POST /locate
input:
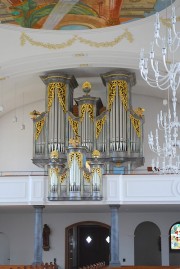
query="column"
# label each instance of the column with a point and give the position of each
(38, 229)
(165, 248)
(114, 236)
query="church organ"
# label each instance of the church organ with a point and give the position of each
(80, 139)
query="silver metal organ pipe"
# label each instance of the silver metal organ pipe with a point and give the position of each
(117, 121)
(50, 129)
(121, 123)
(57, 126)
(86, 129)
(60, 126)
(113, 127)
(54, 120)
(124, 129)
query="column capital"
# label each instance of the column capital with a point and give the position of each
(39, 206)
(114, 206)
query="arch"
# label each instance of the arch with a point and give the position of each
(174, 244)
(147, 244)
(74, 247)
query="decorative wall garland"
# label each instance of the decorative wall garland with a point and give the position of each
(126, 35)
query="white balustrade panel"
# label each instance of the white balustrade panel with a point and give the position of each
(117, 189)
(22, 189)
(142, 189)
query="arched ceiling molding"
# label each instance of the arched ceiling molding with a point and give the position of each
(56, 61)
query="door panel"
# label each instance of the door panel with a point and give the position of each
(97, 250)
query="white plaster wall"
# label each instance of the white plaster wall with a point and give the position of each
(19, 228)
(16, 144)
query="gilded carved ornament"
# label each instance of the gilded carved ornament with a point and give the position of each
(62, 177)
(39, 126)
(75, 155)
(111, 94)
(86, 84)
(74, 141)
(74, 124)
(98, 171)
(34, 114)
(136, 124)
(123, 92)
(54, 170)
(54, 154)
(139, 111)
(99, 125)
(96, 153)
(61, 93)
(87, 176)
(87, 108)
(51, 93)
(126, 35)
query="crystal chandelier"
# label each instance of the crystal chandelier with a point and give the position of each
(168, 160)
(164, 75)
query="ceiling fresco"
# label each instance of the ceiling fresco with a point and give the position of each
(75, 14)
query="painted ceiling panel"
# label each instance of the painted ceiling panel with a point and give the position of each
(75, 14)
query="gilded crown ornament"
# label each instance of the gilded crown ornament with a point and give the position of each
(74, 141)
(54, 154)
(86, 87)
(139, 111)
(34, 114)
(96, 153)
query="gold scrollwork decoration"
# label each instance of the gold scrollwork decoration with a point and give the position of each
(136, 124)
(123, 92)
(78, 156)
(111, 93)
(39, 126)
(126, 35)
(87, 108)
(54, 170)
(51, 93)
(61, 94)
(98, 171)
(99, 125)
(62, 177)
(87, 177)
(74, 124)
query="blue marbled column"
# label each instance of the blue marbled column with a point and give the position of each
(38, 229)
(114, 236)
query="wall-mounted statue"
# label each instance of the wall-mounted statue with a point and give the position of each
(46, 234)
